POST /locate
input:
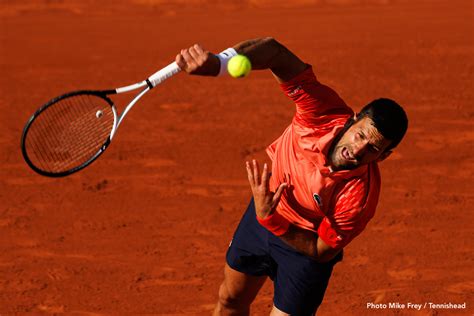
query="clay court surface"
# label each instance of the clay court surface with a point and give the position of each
(146, 227)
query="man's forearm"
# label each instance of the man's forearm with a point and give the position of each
(262, 52)
(304, 241)
(308, 243)
(267, 53)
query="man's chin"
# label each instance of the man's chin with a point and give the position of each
(344, 166)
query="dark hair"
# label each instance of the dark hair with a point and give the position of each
(388, 117)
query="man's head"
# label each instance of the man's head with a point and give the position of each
(371, 136)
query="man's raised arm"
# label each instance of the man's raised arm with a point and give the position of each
(264, 53)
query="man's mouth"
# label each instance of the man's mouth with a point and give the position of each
(346, 154)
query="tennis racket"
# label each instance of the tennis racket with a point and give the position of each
(71, 131)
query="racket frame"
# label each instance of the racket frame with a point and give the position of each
(101, 94)
(155, 79)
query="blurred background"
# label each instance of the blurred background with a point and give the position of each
(146, 227)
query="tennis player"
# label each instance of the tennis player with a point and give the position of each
(323, 189)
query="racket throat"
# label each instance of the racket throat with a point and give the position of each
(149, 84)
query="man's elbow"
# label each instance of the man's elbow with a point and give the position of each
(325, 253)
(276, 44)
(270, 40)
(326, 256)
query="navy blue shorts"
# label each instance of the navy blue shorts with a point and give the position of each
(299, 281)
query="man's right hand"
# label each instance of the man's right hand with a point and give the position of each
(197, 61)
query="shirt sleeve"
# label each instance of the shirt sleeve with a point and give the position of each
(354, 208)
(316, 104)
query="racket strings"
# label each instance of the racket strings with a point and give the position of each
(68, 133)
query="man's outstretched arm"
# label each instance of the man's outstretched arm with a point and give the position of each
(264, 53)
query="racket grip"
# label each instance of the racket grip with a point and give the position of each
(163, 74)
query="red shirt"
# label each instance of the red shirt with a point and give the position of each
(336, 205)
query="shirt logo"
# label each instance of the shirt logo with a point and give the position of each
(317, 198)
(295, 91)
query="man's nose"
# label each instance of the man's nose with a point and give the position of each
(359, 148)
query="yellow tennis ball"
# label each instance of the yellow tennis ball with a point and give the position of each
(239, 66)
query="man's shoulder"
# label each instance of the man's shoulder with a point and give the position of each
(313, 97)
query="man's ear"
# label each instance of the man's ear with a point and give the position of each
(384, 155)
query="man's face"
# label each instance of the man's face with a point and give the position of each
(361, 144)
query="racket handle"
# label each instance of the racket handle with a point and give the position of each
(163, 74)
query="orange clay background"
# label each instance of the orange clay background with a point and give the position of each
(145, 228)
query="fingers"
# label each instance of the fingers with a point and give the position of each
(199, 49)
(196, 60)
(189, 59)
(253, 173)
(197, 54)
(250, 174)
(180, 61)
(278, 193)
(265, 175)
(256, 172)
(265, 200)
(254, 176)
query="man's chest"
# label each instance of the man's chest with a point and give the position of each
(311, 192)
(315, 192)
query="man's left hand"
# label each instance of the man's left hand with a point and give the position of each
(265, 200)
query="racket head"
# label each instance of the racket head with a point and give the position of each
(69, 132)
